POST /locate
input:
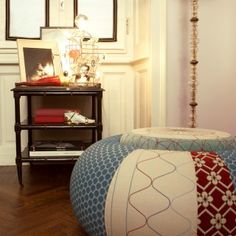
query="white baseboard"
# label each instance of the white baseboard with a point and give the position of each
(7, 155)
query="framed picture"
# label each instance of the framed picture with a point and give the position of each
(105, 18)
(38, 59)
(24, 18)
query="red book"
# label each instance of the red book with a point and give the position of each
(53, 111)
(48, 119)
(51, 115)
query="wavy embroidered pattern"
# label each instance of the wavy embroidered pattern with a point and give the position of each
(170, 199)
(152, 187)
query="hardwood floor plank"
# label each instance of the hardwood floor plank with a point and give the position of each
(41, 207)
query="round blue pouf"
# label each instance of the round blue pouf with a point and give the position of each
(121, 182)
(90, 181)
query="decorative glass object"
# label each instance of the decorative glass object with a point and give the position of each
(81, 55)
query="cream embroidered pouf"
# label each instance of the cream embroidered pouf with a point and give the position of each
(157, 181)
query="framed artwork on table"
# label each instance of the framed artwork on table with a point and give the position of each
(37, 59)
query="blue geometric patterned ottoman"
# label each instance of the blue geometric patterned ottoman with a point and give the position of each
(157, 181)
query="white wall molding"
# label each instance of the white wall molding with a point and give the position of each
(142, 93)
(138, 61)
(118, 114)
(7, 154)
(8, 56)
(142, 116)
(7, 44)
(8, 76)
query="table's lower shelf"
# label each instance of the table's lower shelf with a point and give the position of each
(51, 155)
(49, 159)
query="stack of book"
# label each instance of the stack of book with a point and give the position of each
(51, 115)
(55, 149)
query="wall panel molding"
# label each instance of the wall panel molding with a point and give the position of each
(7, 155)
(8, 76)
(142, 94)
(117, 113)
(8, 56)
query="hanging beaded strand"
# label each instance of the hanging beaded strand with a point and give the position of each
(194, 62)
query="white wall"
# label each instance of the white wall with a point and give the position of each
(216, 95)
(217, 70)
(177, 62)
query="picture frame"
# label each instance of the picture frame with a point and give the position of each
(37, 59)
(106, 18)
(25, 26)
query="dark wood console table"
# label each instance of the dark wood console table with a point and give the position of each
(95, 93)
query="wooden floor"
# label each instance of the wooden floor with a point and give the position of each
(41, 207)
